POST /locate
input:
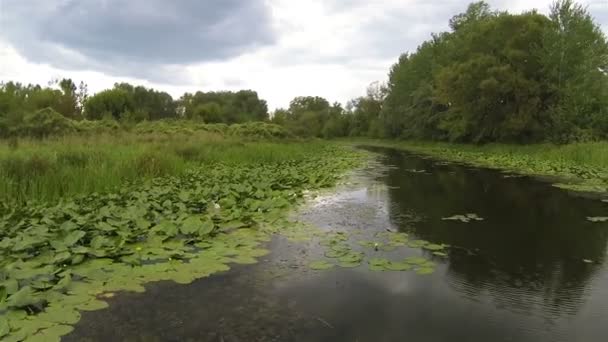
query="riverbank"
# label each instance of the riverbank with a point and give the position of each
(579, 167)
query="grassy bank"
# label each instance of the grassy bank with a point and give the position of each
(580, 167)
(46, 170)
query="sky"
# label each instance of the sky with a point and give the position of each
(280, 48)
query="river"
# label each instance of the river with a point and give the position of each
(533, 270)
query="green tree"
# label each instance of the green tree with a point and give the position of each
(114, 102)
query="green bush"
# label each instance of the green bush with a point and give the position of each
(45, 122)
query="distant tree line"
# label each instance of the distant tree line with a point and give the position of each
(494, 77)
(28, 108)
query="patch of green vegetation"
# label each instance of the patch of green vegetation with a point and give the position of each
(466, 218)
(59, 259)
(62, 167)
(321, 265)
(420, 265)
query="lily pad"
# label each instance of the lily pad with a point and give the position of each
(425, 270)
(597, 219)
(321, 265)
(466, 218)
(434, 247)
(415, 260)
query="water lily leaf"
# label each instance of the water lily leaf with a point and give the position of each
(398, 266)
(351, 257)
(8, 287)
(415, 260)
(466, 218)
(191, 225)
(68, 226)
(369, 244)
(337, 252)
(206, 228)
(142, 223)
(51, 334)
(434, 247)
(417, 243)
(598, 219)
(104, 227)
(64, 283)
(22, 298)
(61, 257)
(73, 237)
(440, 254)
(232, 225)
(92, 305)
(60, 314)
(4, 327)
(77, 259)
(321, 265)
(425, 270)
(166, 227)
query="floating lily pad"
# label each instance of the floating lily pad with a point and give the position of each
(369, 244)
(51, 334)
(598, 219)
(398, 266)
(425, 270)
(417, 243)
(464, 218)
(434, 247)
(415, 260)
(321, 265)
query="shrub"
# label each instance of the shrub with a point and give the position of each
(45, 122)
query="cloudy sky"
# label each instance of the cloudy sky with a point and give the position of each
(281, 48)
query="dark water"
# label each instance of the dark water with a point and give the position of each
(519, 275)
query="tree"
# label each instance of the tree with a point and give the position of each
(114, 102)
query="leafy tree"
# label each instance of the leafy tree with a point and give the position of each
(114, 102)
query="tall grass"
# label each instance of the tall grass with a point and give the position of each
(46, 170)
(593, 155)
(578, 166)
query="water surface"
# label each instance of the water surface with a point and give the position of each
(533, 270)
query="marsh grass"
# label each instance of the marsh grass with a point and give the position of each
(46, 170)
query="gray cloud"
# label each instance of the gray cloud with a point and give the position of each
(129, 38)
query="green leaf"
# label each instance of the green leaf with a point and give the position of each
(73, 237)
(4, 327)
(191, 225)
(320, 265)
(22, 298)
(206, 228)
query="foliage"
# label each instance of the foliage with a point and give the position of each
(124, 103)
(102, 156)
(504, 77)
(313, 116)
(58, 259)
(224, 107)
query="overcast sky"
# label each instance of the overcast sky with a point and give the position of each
(280, 48)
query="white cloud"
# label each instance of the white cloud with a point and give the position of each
(330, 48)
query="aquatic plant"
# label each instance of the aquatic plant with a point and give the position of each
(59, 259)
